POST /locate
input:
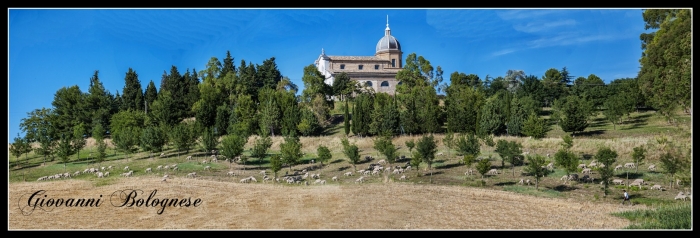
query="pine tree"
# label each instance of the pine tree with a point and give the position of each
(346, 119)
(132, 94)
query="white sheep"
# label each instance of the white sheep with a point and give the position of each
(586, 171)
(618, 181)
(657, 187)
(381, 162)
(207, 168)
(126, 168)
(189, 157)
(335, 178)
(629, 165)
(524, 181)
(231, 173)
(253, 179)
(582, 166)
(469, 171)
(100, 175)
(652, 168)
(407, 168)
(107, 174)
(323, 181)
(440, 154)
(192, 175)
(680, 196)
(148, 170)
(493, 172)
(348, 174)
(159, 167)
(618, 167)
(635, 183)
(360, 180)
(403, 177)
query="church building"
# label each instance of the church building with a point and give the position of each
(378, 71)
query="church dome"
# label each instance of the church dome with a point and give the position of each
(388, 42)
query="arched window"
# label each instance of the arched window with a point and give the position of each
(385, 84)
(368, 83)
(342, 66)
(400, 83)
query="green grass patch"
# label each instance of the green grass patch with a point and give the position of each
(530, 190)
(673, 216)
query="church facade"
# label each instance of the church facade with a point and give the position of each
(378, 71)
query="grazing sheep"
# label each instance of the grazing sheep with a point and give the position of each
(382, 162)
(126, 168)
(492, 172)
(629, 165)
(360, 180)
(582, 166)
(174, 168)
(618, 167)
(652, 167)
(593, 164)
(162, 154)
(253, 179)
(316, 176)
(76, 173)
(407, 168)
(335, 178)
(159, 167)
(165, 178)
(469, 171)
(348, 174)
(204, 161)
(231, 173)
(635, 183)
(680, 196)
(100, 175)
(641, 181)
(547, 155)
(192, 175)
(317, 181)
(657, 187)
(107, 174)
(586, 171)
(618, 181)
(207, 168)
(403, 177)
(262, 173)
(440, 154)
(526, 181)
(148, 170)
(245, 180)
(366, 172)
(323, 181)
(678, 182)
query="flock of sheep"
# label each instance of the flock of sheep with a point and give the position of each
(373, 169)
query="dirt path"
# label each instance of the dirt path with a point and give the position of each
(228, 205)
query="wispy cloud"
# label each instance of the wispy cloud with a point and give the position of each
(540, 26)
(502, 52)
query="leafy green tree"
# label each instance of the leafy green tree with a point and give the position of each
(567, 142)
(152, 139)
(291, 151)
(324, 154)
(126, 140)
(342, 86)
(591, 90)
(638, 155)
(567, 160)
(19, 147)
(269, 117)
(607, 157)
(468, 145)
(78, 138)
(275, 164)
(666, 63)
(232, 146)
(208, 141)
(483, 166)
(100, 102)
(243, 119)
(65, 149)
(673, 162)
(535, 126)
(463, 108)
(163, 109)
(314, 85)
(469, 160)
(346, 119)
(98, 134)
(308, 125)
(410, 144)
(518, 115)
(183, 137)
(260, 147)
(132, 94)
(536, 168)
(150, 95)
(69, 109)
(426, 147)
(553, 85)
(384, 145)
(494, 114)
(353, 154)
(615, 108)
(572, 114)
(509, 151)
(533, 88)
(127, 119)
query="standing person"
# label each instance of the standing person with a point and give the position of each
(626, 197)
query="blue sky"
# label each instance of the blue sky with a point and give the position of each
(54, 48)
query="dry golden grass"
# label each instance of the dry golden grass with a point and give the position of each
(229, 205)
